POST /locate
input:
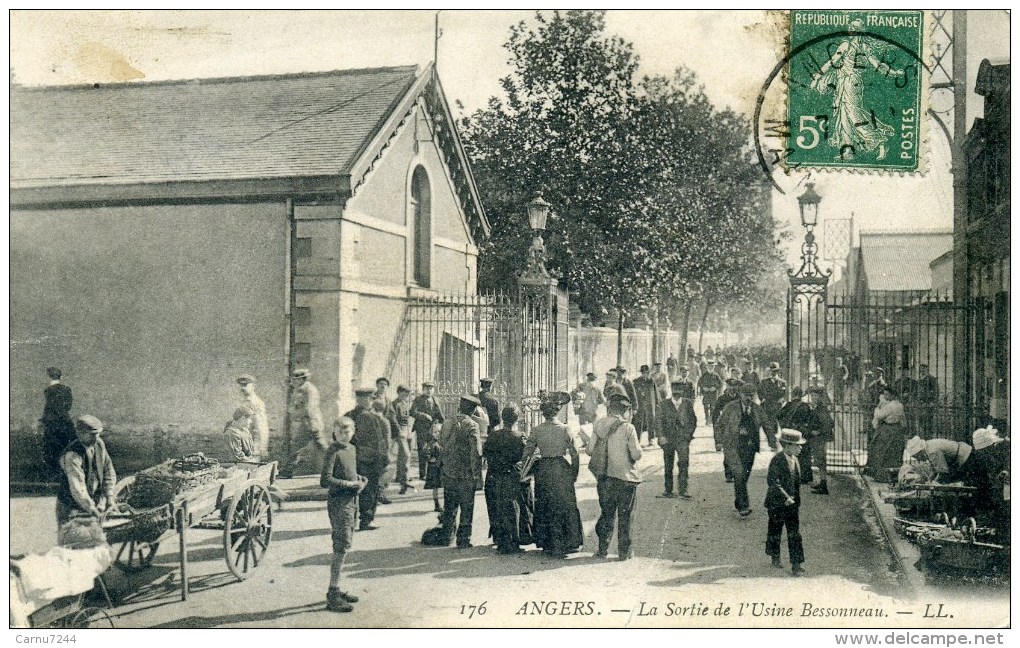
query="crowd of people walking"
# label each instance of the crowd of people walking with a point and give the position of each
(529, 479)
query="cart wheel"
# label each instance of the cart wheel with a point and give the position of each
(89, 617)
(248, 530)
(134, 556)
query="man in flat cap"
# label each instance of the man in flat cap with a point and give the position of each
(426, 414)
(87, 478)
(461, 441)
(617, 487)
(588, 407)
(58, 428)
(740, 423)
(260, 420)
(628, 386)
(382, 386)
(305, 423)
(612, 386)
(402, 439)
(371, 441)
(490, 404)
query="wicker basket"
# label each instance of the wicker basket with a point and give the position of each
(143, 526)
(159, 485)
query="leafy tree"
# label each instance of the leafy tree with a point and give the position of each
(565, 127)
(657, 203)
(710, 202)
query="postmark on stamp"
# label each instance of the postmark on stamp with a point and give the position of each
(855, 90)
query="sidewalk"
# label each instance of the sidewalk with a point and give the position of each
(906, 553)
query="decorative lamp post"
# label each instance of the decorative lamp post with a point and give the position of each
(535, 271)
(805, 308)
(809, 272)
(544, 338)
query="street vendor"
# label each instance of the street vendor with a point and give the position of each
(949, 459)
(87, 478)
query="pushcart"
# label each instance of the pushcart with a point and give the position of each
(237, 502)
(71, 611)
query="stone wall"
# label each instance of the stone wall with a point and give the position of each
(151, 312)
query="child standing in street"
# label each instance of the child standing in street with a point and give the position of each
(783, 501)
(340, 476)
(434, 467)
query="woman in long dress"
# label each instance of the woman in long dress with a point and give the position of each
(885, 449)
(503, 450)
(557, 519)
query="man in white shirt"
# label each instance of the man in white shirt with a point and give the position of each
(260, 420)
(617, 488)
(587, 410)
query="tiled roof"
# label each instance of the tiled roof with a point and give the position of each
(210, 129)
(896, 261)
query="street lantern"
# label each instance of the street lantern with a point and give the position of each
(535, 271)
(809, 206)
(805, 312)
(538, 212)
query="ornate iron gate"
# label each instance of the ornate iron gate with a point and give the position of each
(454, 340)
(845, 342)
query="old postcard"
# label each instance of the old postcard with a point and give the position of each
(511, 319)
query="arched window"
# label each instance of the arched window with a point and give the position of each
(421, 208)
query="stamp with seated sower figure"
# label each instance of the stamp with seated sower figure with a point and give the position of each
(856, 84)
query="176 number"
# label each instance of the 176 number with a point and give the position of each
(472, 610)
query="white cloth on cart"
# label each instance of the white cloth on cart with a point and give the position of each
(42, 578)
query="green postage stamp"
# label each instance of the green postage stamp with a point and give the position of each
(856, 84)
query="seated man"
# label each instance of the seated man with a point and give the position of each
(238, 431)
(87, 478)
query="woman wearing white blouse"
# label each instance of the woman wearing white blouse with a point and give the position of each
(885, 448)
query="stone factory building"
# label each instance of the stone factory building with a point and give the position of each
(167, 237)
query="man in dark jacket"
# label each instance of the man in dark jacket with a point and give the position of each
(676, 425)
(782, 501)
(749, 375)
(772, 393)
(739, 423)
(58, 429)
(797, 414)
(709, 386)
(371, 439)
(647, 404)
(627, 384)
(426, 413)
(490, 404)
(340, 476)
(727, 397)
(460, 439)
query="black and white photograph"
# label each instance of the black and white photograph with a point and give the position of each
(463, 318)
